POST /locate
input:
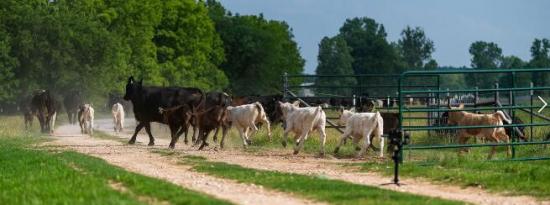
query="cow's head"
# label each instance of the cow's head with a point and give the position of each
(132, 88)
(344, 115)
(454, 114)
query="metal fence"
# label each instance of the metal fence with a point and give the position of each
(511, 99)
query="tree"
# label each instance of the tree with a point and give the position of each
(189, 50)
(540, 58)
(415, 48)
(514, 62)
(334, 59)
(370, 50)
(256, 50)
(7, 66)
(485, 55)
(431, 65)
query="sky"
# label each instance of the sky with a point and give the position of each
(451, 25)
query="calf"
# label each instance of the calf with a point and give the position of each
(245, 117)
(179, 116)
(495, 134)
(301, 121)
(72, 101)
(118, 117)
(86, 119)
(360, 125)
(45, 107)
(28, 115)
(211, 116)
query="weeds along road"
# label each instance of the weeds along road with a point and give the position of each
(140, 158)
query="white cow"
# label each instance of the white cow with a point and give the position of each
(86, 119)
(245, 117)
(118, 117)
(362, 125)
(301, 121)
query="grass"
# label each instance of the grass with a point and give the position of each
(515, 178)
(31, 175)
(314, 187)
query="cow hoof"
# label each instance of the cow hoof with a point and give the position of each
(284, 144)
(295, 152)
(186, 142)
(357, 148)
(336, 150)
(321, 154)
(248, 142)
(131, 142)
(171, 146)
(151, 143)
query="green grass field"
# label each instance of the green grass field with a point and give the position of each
(31, 175)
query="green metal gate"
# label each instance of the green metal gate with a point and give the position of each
(515, 97)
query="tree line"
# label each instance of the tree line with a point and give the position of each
(93, 46)
(362, 47)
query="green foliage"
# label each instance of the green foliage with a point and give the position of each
(485, 55)
(540, 58)
(95, 45)
(314, 187)
(7, 67)
(334, 59)
(370, 50)
(415, 48)
(257, 51)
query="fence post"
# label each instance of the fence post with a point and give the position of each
(531, 93)
(497, 96)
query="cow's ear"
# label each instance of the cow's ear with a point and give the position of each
(130, 79)
(296, 103)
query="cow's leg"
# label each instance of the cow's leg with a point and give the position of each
(323, 140)
(342, 141)
(381, 145)
(355, 142)
(285, 134)
(247, 135)
(366, 135)
(203, 137)
(148, 130)
(268, 128)
(242, 134)
(225, 130)
(138, 128)
(462, 139)
(172, 129)
(215, 137)
(52, 122)
(300, 144)
(185, 139)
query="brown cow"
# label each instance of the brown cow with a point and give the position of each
(495, 134)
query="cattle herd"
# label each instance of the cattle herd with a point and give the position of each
(185, 108)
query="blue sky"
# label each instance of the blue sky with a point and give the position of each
(453, 26)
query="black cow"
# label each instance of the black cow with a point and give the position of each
(45, 107)
(509, 130)
(212, 116)
(72, 101)
(25, 108)
(147, 100)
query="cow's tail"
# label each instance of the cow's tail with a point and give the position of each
(503, 117)
(315, 116)
(261, 110)
(379, 121)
